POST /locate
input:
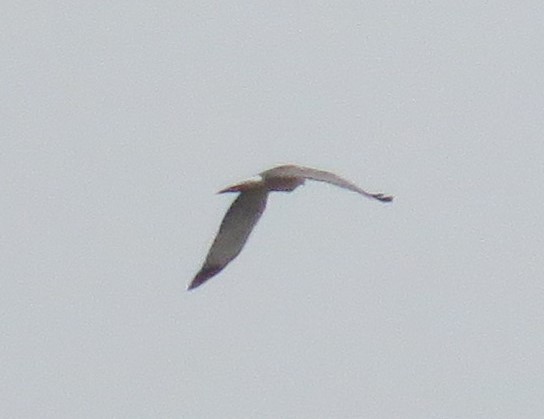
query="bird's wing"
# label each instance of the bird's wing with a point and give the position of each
(235, 228)
(322, 176)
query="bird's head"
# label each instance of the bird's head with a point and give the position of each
(244, 186)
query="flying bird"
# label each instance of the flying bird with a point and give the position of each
(248, 207)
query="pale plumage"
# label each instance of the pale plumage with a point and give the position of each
(248, 207)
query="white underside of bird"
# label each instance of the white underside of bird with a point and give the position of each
(248, 207)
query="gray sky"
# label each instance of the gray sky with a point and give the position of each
(120, 122)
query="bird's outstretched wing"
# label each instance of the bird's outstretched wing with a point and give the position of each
(235, 228)
(322, 176)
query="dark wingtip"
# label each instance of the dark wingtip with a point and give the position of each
(203, 275)
(193, 285)
(382, 197)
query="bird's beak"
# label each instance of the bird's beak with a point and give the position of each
(233, 188)
(238, 187)
(242, 186)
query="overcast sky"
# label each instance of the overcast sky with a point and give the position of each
(120, 121)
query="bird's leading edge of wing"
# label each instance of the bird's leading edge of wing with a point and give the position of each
(323, 176)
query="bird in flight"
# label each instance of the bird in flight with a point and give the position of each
(248, 207)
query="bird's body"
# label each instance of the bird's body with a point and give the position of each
(248, 207)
